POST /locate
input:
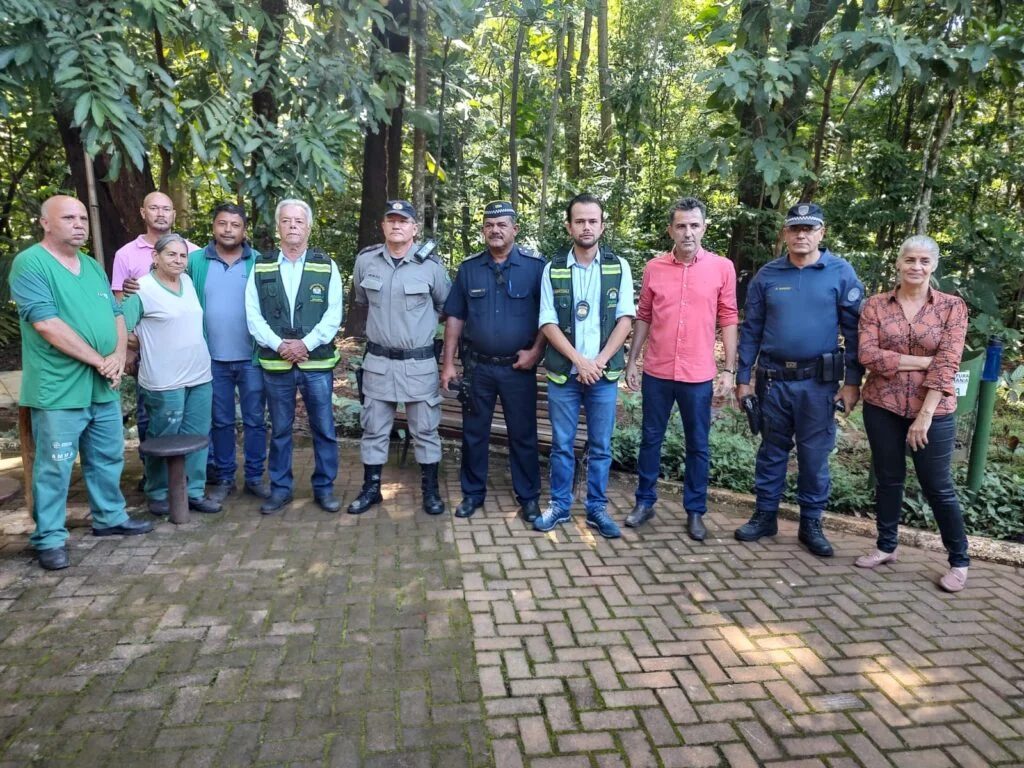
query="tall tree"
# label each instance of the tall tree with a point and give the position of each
(604, 76)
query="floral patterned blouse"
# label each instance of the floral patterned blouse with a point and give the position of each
(938, 331)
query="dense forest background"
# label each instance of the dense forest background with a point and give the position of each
(897, 116)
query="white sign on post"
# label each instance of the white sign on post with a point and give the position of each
(960, 381)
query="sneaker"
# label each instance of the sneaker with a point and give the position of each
(552, 516)
(603, 524)
(954, 580)
(876, 558)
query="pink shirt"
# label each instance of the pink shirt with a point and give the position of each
(681, 303)
(135, 260)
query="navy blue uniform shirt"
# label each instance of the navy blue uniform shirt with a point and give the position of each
(797, 314)
(500, 312)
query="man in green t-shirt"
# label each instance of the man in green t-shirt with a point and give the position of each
(73, 342)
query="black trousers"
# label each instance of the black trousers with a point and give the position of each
(887, 434)
(518, 393)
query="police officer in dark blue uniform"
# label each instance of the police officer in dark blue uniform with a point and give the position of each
(493, 308)
(796, 308)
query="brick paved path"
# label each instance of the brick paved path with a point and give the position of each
(400, 640)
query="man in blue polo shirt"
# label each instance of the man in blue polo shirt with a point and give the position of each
(493, 308)
(797, 306)
(220, 272)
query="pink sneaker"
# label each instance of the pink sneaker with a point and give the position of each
(954, 580)
(876, 558)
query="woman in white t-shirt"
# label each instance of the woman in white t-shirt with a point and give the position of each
(174, 372)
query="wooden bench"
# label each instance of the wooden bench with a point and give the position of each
(451, 425)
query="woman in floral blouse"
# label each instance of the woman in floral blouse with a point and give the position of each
(911, 340)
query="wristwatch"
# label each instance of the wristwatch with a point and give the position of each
(729, 370)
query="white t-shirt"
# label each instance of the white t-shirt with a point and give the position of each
(170, 331)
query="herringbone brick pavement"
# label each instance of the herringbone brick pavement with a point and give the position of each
(396, 639)
(654, 650)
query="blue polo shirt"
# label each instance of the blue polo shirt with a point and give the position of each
(500, 303)
(798, 314)
(227, 334)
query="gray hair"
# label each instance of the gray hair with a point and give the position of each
(293, 201)
(170, 237)
(920, 242)
(687, 204)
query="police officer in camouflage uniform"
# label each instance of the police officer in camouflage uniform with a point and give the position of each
(493, 308)
(405, 286)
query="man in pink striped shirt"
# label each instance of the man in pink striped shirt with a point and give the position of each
(685, 292)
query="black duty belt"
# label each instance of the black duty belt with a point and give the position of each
(790, 370)
(476, 357)
(420, 353)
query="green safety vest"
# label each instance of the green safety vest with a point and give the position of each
(557, 364)
(310, 305)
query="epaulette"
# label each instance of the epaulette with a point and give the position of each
(477, 255)
(375, 248)
(529, 253)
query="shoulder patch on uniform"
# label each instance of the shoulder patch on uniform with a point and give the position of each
(530, 253)
(854, 294)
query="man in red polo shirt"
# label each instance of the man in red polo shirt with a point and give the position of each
(684, 293)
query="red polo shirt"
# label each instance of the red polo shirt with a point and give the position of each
(681, 303)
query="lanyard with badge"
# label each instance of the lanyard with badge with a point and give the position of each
(586, 280)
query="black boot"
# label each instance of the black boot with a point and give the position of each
(370, 494)
(812, 537)
(432, 503)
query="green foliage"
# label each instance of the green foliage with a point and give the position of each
(346, 415)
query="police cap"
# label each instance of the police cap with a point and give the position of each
(498, 208)
(806, 214)
(400, 208)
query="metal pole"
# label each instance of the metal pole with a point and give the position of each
(94, 213)
(986, 408)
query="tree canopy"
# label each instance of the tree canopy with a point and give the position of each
(898, 117)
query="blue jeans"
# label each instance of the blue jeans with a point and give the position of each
(695, 409)
(800, 410)
(316, 388)
(182, 411)
(887, 435)
(94, 433)
(564, 401)
(248, 379)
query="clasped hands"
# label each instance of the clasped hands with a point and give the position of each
(590, 371)
(293, 350)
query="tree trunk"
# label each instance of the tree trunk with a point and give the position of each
(264, 101)
(550, 136)
(603, 75)
(12, 186)
(438, 154)
(419, 140)
(382, 158)
(119, 200)
(572, 125)
(811, 187)
(513, 156)
(930, 167)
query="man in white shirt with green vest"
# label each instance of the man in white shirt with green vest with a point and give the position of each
(73, 342)
(293, 307)
(586, 314)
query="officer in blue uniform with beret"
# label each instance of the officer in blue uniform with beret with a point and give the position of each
(492, 310)
(797, 306)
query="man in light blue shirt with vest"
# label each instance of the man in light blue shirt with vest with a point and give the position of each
(220, 273)
(293, 307)
(586, 314)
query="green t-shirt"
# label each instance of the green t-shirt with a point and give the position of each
(43, 288)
